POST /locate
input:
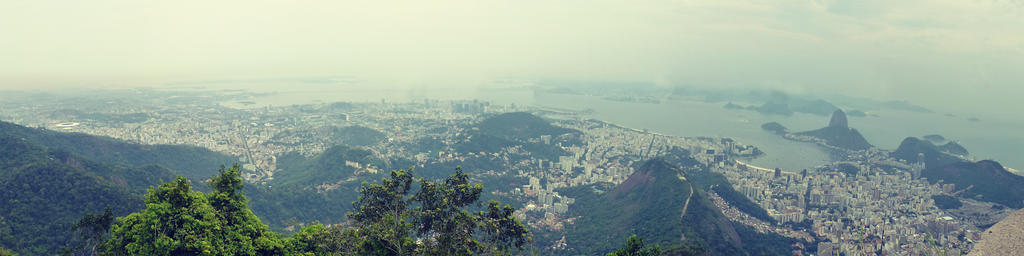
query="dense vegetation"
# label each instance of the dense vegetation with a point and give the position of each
(193, 162)
(180, 221)
(44, 192)
(650, 204)
(635, 247)
(325, 182)
(518, 129)
(521, 126)
(646, 204)
(946, 202)
(50, 179)
(357, 136)
(710, 181)
(391, 218)
(329, 166)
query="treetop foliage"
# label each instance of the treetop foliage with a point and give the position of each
(390, 218)
(635, 247)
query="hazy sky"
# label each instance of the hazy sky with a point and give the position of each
(922, 50)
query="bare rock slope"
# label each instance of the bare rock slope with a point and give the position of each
(1003, 238)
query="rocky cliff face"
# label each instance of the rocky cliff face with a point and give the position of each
(1003, 238)
(838, 119)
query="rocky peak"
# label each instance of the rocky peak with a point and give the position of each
(838, 119)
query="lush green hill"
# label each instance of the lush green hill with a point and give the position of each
(357, 136)
(193, 162)
(43, 192)
(946, 202)
(650, 204)
(48, 180)
(329, 166)
(323, 182)
(983, 180)
(712, 181)
(519, 129)
(520, 126)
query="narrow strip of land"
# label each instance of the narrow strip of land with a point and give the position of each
(762, 168)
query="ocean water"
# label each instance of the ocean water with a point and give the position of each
(986, 139)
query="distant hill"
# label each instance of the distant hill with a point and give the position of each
(44, 191)
(774, 127)
(326, 182)
(49, 180)
(934, 138)
(519, 128)
(817, 107)
(839, 134)
(911, 147)
(954, 148)
(357, 135)
(650, 203)
(774, 108)
(783, 105)
(713, 181)
(983, 180)
(190, 161)
(329, 166)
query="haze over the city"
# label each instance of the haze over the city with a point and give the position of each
(495, 127)
(945, 54)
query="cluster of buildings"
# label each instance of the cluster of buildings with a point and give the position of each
(865, 212)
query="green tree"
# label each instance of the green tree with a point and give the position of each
(635, 247)
(180, 221)
(6, 252)
(391, 217)
(243, 232)
(383, 216)
(93, 230)
(176, 221)
(316, 239)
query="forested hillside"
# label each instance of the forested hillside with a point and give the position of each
(193, 162)
(43, 193)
